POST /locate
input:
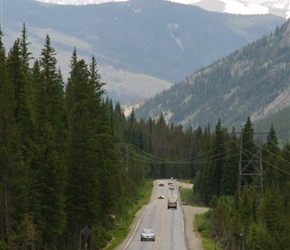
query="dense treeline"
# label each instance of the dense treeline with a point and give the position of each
(59, 167)
(71, 162)
(245, 177)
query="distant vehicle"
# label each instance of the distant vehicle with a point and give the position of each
(171, 187)
(161, 183)
(171, 178)
(160, 196)
(170, 183)
(147, 234)
(172, 203)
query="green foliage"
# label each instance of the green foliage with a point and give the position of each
(202, 225)
(186, 195)
(2, 245)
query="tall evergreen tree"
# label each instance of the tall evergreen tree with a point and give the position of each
(93, 169)
(229, 182)
(20, 173)
(271, 153)
(49, 169)
(7, 136)
(218, 158)
(83, 203)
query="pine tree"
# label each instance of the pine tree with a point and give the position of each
(218, 158)
(20, 173)
(229, 182)
(49, 169)
(271, 153)
(93, 170)
(83, 204)
(7, 132)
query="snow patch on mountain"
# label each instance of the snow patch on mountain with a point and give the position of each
(232, 6)
(244, 8)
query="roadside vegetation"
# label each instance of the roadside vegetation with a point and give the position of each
(187, 196)
(201, 222)
(124, 221)
(202, 226)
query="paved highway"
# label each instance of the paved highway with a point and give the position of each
(167, 223)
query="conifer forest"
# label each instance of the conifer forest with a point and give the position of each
(70, 159)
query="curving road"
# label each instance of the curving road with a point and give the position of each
(167, 223)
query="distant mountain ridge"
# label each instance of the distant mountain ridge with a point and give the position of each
(142, 47)
(253, 81)
(245, 7)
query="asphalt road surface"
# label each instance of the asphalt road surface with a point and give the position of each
(169, 224)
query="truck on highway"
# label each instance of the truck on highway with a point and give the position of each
(172, 202)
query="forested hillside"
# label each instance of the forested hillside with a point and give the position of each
(139, 45)
(71, 163)
(253, 81)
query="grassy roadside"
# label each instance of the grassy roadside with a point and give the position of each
(201, 225)
(120, 232)
(200, 222)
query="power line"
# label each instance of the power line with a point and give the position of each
(268, 163)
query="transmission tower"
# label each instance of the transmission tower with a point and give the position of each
(124, 160)
(250, 170)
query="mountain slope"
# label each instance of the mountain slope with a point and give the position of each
(160, 39)
(253, 81)
(242, 7)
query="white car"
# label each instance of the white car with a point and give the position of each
(160, 196)
(161, 183)
(147, 234)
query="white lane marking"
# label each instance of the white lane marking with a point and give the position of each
(182, 220)
(155, 191)
(136, 228)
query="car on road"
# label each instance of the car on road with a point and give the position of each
(161, 184)
(147, 234)
(160, 196)
(172, 203)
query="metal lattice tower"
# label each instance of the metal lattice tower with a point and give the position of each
(124, 160)
(250, 171)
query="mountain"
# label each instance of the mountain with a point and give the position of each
(142, 46)
(244, 7)
(253, 81)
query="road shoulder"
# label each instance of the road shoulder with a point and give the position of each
(192, 238)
